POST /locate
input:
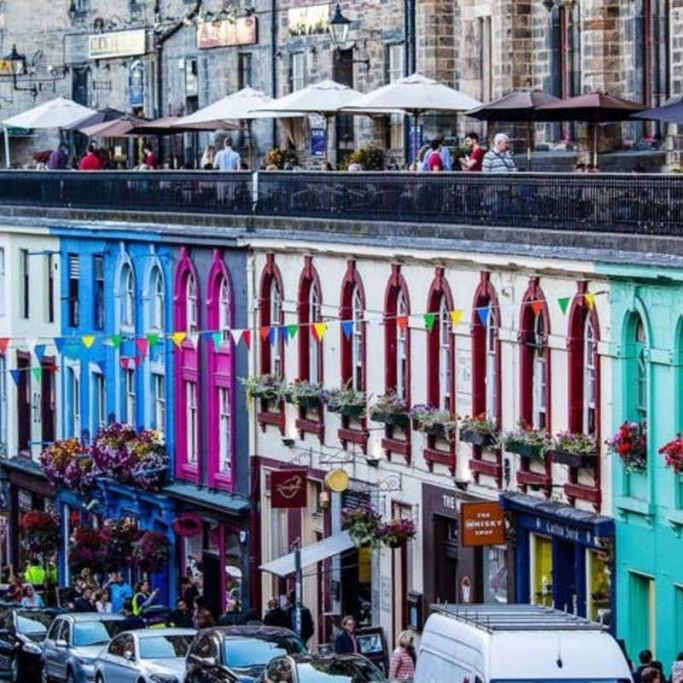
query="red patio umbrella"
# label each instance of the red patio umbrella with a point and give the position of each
(117, 128)
(594, 108)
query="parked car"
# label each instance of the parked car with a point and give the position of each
(151, 656)
(21, 634)
(72, 644)
(237, 653)
(308, 668)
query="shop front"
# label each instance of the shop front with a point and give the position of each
(460, 567)
(563, 557)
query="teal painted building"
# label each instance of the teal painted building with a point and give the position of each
(647, 383)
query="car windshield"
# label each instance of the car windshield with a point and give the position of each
(94, 632)
(247, 652)
(338, 671)
(164, 647)
(33, 623)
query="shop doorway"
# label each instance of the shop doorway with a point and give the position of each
(211, 575)
(564, 576)
(642, 617)
(356, 581)
(446, 564)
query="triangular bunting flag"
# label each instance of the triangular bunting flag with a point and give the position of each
(564, 304)
(123, 362)
(347, 328)
(590, 300)
(137, 361)
(88, 340)
(430, 319)
(37, 373)
(60, 343)
(246, 338)
(483, 314)
(15, 375)
(4, 343)
(115, 340)
(537, 307)
(272, 335)
(39, 350)
(102, 365)
(456, 316)
(265, 332)
(284, 333)
(142, 344)
(152, 339)
(292, 330)
(320, 329)
(236, 334)
(178, 338)
(217, 338)
(402, 322)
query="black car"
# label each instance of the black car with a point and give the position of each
(237, 653)
(22, 630)
(307, 668)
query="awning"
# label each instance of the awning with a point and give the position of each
(310, 554)
(221, 501)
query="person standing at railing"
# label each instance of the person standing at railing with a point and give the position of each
(59, 158)
(444, 155)
(150, 158)
(227, 159)
(474, 160)
(91, 161)
(499, 159)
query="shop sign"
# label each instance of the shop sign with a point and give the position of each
(571, 533)
(227, 33)
(482, 524)
(305, 21)
(116, 44)
(288, 489)
(24, 499)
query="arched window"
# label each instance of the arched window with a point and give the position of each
(641, 383)
(486, 351)
(401, 359)
(590, 376)
(157, 317)
(352, 313)
(440, 346)
(358, 347)
(224, 311)
(309, 310)
(191, 314)
(271, 315)
(127, 297)
(276, 318)
(397, 335)
(314, 346)
(540, 375)
(445, 356)
(492, 364)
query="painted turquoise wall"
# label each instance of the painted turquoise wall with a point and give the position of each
(648, 506)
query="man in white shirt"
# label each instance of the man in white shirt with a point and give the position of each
(227, 159)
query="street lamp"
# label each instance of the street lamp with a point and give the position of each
(16, 65)
(339, 28)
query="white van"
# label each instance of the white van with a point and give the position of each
(516, 644)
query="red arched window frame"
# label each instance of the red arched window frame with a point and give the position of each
(534, 377)
(486, 371)
(397, 356)
(187, 371)
(584, 380)
(271, 315)
(220, 401)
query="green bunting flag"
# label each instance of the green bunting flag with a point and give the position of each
(430, 319)
(217, 338)
(116, 340)
(564, 303)
(152, 339)
(37, 373)
(292, 330)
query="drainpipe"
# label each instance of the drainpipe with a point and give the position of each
(409, 32)
(159, 42)
(273, 60)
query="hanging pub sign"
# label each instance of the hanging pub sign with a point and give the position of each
(227, 33)
(482, 524)
(136, 84)
(288, 489)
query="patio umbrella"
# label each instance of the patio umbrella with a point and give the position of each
(594, 108)
(667, 113)
(100, 116)
(520, 105)
(171, 125)
(230, 108)
(116, 128)
(326, 98)
(412, 95)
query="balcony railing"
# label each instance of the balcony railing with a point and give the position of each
(614, 203)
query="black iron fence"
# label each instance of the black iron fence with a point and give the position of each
(644, 204)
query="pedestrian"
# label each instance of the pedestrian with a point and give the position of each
(85, 602)
(275, 615)
(31, 598)
(208, 158)
(188, 591)
(475, 157)
(326, 166)
(402, 663)
(444, 154)
(651, 675)
(499, 159)
(143, 596)
(345, 642)
(102, 602)
(202, 617)
(646, 661)
(91, 161)
(307, 628)
(119, 590)
(227, 159)
(181, 616)
(89, 580)
(59, 158)
(35, 574)
(150, 158)
(130, 621)
(677, 669)
(433, 160)
(15, 591)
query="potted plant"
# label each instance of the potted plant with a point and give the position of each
(574, 449)
(441, 424)
(673, 454)
(527, 442)
(478, 430)
(264, 387)
(397, 532)
(304, 394)
(630, 444)
(363, 525)
(391, 410)
(345, 401)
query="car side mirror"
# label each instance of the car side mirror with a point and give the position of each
(128, 655)
(61, 643)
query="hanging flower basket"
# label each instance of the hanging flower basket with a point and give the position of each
(363, 525)
(188, 526)
(85, 549)
(673, 454)
(630, 444)
(118, 537)
(40, 532)
(150, 551)
(68, 464)
(397, 532)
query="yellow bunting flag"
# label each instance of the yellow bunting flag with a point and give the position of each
(178, 338)
(456, 316)
(88, 340)
(590, 300)
(320, 329)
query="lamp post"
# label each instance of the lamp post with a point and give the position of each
(16, 63)
(339, 28)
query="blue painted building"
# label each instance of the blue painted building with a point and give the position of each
(117, 289)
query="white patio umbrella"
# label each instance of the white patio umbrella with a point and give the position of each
(326, 98)
(56, 113)
(230, 108)
(412, 95)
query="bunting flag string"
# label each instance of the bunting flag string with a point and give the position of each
(563, 301)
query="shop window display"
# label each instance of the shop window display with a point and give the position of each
(542, 574)
(495, 574)
(598, 581)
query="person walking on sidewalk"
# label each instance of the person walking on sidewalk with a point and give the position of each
(402, 663)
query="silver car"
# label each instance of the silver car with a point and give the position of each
(149, 656)
(72, 643)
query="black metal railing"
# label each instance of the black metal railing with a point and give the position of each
(614, 203)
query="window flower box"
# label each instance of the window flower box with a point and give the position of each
(630, 444)
(574, 449)
(391, 410)
(304, 394)
(441, 424)
(527, 442)
(263, 387)
(478, 431)
(345, 401)
(673, 454)
(572, 459)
